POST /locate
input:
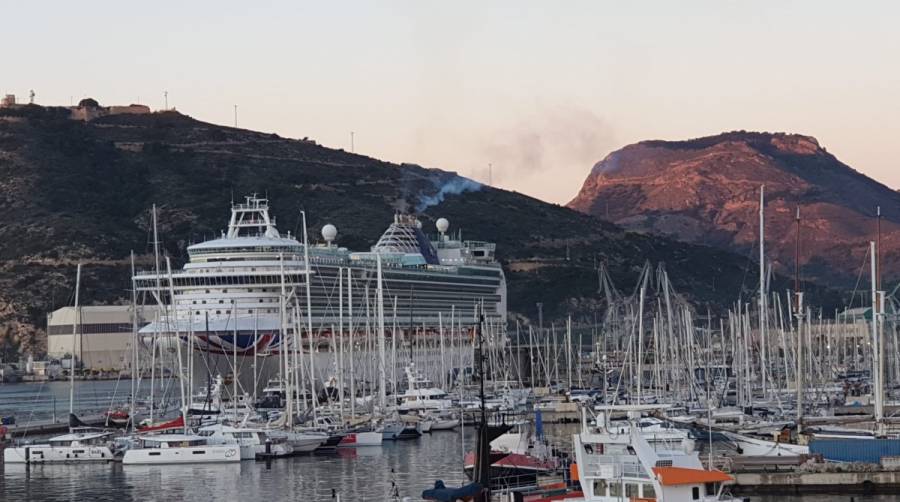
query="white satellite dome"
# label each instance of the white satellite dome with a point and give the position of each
(329, 232)
(418, 224)
(442, 225)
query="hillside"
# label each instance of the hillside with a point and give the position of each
(82, 191)
(706, 191)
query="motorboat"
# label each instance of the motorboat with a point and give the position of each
(254, 443)
(518, 457)
(354, 439)
(613, 465)
(400, 430)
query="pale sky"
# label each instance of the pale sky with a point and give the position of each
(540, 90)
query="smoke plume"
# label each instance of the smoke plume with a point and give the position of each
(454, 186)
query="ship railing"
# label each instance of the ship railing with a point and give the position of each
(252, 204)
(612, 466)
(522, 483)
(490, 246)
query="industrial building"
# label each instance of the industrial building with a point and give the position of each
(100, 336)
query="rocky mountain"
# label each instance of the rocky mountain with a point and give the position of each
(81, 191)
(706, 191)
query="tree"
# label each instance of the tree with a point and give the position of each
(89, 103)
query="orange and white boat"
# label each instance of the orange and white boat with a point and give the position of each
(613, 465)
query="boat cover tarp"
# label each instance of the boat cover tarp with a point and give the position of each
(443, 494)
(178, 423)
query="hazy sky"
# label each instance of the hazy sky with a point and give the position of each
(541, 90)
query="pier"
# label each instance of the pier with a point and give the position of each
(49, 426)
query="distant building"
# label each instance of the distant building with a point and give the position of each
(103, 335)
(8, 101)
(89, 109)
(45, 370)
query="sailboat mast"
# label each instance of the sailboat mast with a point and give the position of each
(174, 314)
(283, 356)
(75, 324)
(352, 341)
(309, 325)
(799, 314)
(876, 344)
(379, 299)
(234, 371)
(340, 340)
(157, 293)
(762, 288)
(135, 373)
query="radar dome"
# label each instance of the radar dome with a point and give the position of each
(418, 224)
(329, 232)
(442, 225)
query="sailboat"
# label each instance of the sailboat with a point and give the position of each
(81, 444)
(179, 448)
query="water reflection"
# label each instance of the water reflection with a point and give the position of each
(361, 474)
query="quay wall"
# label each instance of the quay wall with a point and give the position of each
(799, 483)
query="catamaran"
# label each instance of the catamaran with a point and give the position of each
(81, 444)
(167, 449)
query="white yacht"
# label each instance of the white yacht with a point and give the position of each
(163, 449)
(75, 447)
(443, 421)
(253, 442)
(616, 464)
(299, 441)
(420, 396)
(355, 439)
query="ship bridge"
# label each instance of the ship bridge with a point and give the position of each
(251, 219)
(252, 235)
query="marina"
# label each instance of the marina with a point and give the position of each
(470, 252)
(653, 393)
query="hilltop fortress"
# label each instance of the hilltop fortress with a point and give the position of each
(88, 109)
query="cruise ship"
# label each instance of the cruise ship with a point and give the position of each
(228, 297)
